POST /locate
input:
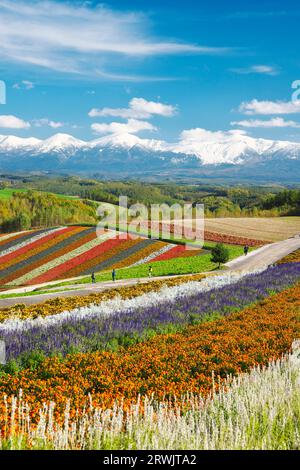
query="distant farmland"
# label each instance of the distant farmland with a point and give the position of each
(264, 228)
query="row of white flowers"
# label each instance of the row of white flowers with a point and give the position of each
(6, 236)
(62, 259)
(32, 239)
(154, 255)
(110, 307)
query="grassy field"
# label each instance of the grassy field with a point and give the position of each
(189, 265)
(7, 193)
(260, 228)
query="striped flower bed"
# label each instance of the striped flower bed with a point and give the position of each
(119, 249)
(146, 248)
(40, 256)
(178, 251)
(20, 240)
(22, 268)
(35, 245)
(10, 236)
(28, 240)
(6, 236)
(78, 261)
(164, 248)
(70, 251)
(190, 234)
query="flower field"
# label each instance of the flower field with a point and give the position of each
(210, 424)
(41, 256)
(184, 351)
(168, 364)
(61, 304)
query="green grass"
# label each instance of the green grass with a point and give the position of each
(187, 265)
(7, 193)
(33, 292)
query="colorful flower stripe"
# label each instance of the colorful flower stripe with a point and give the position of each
(213, 294)
(188, 253)
(291, 258)
(10, 237)
(17, 241)
(166, 365)
(120, 256)
(6, 236)
(146, 248)
(26, 251)
(23, 267)
(259, 410)
(190, 234)
(162, 248)
(119, 248)
(232, 240)
(77, 264)
(173, 253)
(110, 321)
(40, 274)
(61, 304)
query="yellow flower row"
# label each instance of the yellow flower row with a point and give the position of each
(60, 304)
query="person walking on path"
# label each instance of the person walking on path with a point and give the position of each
(246, 249)
(93, 278)
(150, 271)
(114, 275)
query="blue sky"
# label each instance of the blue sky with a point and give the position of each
(155, 69)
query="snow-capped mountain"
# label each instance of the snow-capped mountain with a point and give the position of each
(127, 154)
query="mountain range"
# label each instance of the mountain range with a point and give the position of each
(231, 157)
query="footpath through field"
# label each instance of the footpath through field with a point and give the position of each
(264, 256)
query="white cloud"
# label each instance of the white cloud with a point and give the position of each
(258, 69)
(13, 122)
(77, 38)
(275, 122)
(47, 122)
(202, 135)
(24, 85)
(270, 107)
(132, 126)
(139, 108)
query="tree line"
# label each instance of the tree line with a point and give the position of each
(32, 209)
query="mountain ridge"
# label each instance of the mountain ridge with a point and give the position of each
(127, 153)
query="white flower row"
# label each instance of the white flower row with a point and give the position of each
(154, 255)
(110, 307)
(32, 239)
(62, 259)
(6, 236)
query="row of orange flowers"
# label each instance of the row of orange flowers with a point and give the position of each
(166, 365)
(293, 257)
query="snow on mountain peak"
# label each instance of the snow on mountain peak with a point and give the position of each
(231, 147)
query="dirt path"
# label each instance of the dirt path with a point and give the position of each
(261, 257)
(81, 290)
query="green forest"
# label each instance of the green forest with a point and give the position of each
(32, 209)
(37, 201)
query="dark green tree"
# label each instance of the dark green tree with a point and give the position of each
(220, 254)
